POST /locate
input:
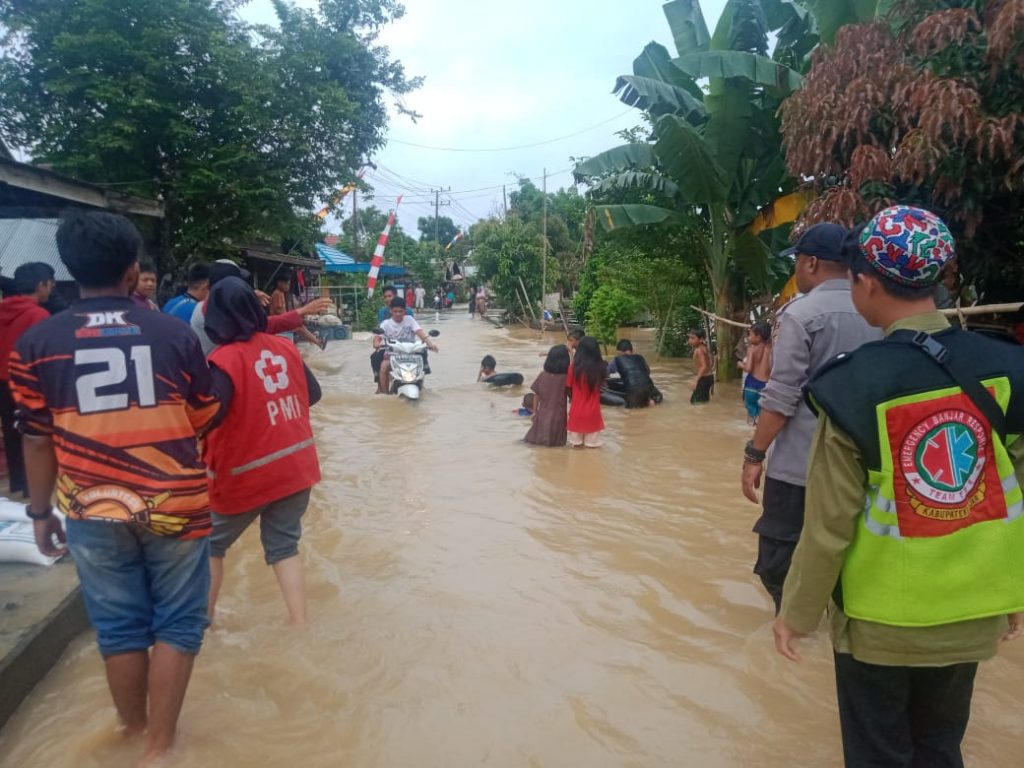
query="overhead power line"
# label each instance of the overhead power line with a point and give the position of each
(462, 194)
(512, 148)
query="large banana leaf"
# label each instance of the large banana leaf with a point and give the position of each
(687, 159)
(741, 27)
(757, 69)
(689, 30)
(616, 160)
(728, 129)
(830, 15)
(752, 257)
(792, 25)
(658, 98)
(649, 182)
(656, 63)
(614, 217)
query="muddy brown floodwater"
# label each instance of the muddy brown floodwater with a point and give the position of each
(478, 602)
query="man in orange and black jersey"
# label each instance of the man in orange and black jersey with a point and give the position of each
(111, 398)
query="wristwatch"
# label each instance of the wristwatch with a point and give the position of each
(45, 515)
(753, 456)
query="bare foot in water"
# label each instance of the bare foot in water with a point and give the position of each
(155, 760)
(131, 731)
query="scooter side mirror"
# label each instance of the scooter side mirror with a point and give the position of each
(434, 333)
(378, 330)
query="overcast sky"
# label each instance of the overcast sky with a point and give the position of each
(505, 74)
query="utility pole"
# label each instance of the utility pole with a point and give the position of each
(544, 269)
(355, 224)
(504, 198)
(437, 216)
(437, 222)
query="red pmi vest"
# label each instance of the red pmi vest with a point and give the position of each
(264, 449)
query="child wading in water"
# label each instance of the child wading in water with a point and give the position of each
(704, 381)
(587, 374)
(549, 419)
(758, 367)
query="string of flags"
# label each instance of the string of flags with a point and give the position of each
(340, 195)
(455, 239)
(378, 252)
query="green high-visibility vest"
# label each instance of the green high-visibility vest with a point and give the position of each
(940, 537)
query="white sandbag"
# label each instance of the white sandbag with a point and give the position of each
(14, 512)
(18, 545)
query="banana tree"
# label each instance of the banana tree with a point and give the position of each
(715, 159)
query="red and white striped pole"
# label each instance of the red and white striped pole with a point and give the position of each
(378, 252)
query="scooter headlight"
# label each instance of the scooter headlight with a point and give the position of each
(408, 370)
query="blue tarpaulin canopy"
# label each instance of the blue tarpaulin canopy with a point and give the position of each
(360, 268)
(341, 263)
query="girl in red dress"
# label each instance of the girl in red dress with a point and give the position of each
(587, 374)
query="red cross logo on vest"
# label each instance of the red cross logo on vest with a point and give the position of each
(273, 371)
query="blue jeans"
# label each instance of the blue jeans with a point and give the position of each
(140, 588)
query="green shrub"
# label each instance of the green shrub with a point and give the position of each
(610, 307)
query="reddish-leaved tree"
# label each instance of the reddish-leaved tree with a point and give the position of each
(924, 106)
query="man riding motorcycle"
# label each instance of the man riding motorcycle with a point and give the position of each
(398, 327)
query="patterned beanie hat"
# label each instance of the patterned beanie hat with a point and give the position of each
(907, 245)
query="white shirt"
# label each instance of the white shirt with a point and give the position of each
(421, 292)
(405, 331)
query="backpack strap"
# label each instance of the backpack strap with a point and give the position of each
(964, 379)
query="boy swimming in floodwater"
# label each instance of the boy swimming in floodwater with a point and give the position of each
(488, 367)
(758, 367)
(704, 381)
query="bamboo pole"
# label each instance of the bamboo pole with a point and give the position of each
(664, 327)
(984, 309)
(719, 319)
(522, 306)
(526, 293)
(544, 266)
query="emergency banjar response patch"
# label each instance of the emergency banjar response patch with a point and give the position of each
(944, 468)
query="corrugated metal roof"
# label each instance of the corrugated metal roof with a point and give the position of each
(26, 240)
(332, 256)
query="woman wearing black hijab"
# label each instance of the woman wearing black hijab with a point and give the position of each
(262, 458)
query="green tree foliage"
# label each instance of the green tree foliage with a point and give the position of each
(369, 222)
(656, 280)
(440, 231)
(421, 262)
(239, 129)
(716, 156)
(567, 210)
(507, 252)
(610, 307)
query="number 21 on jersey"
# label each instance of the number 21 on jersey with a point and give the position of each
(113, 373)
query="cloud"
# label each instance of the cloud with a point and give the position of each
(506, 74)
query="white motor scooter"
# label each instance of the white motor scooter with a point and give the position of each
(407, 369)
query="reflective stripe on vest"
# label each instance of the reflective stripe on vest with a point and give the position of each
(941, 532)
(271, 457)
